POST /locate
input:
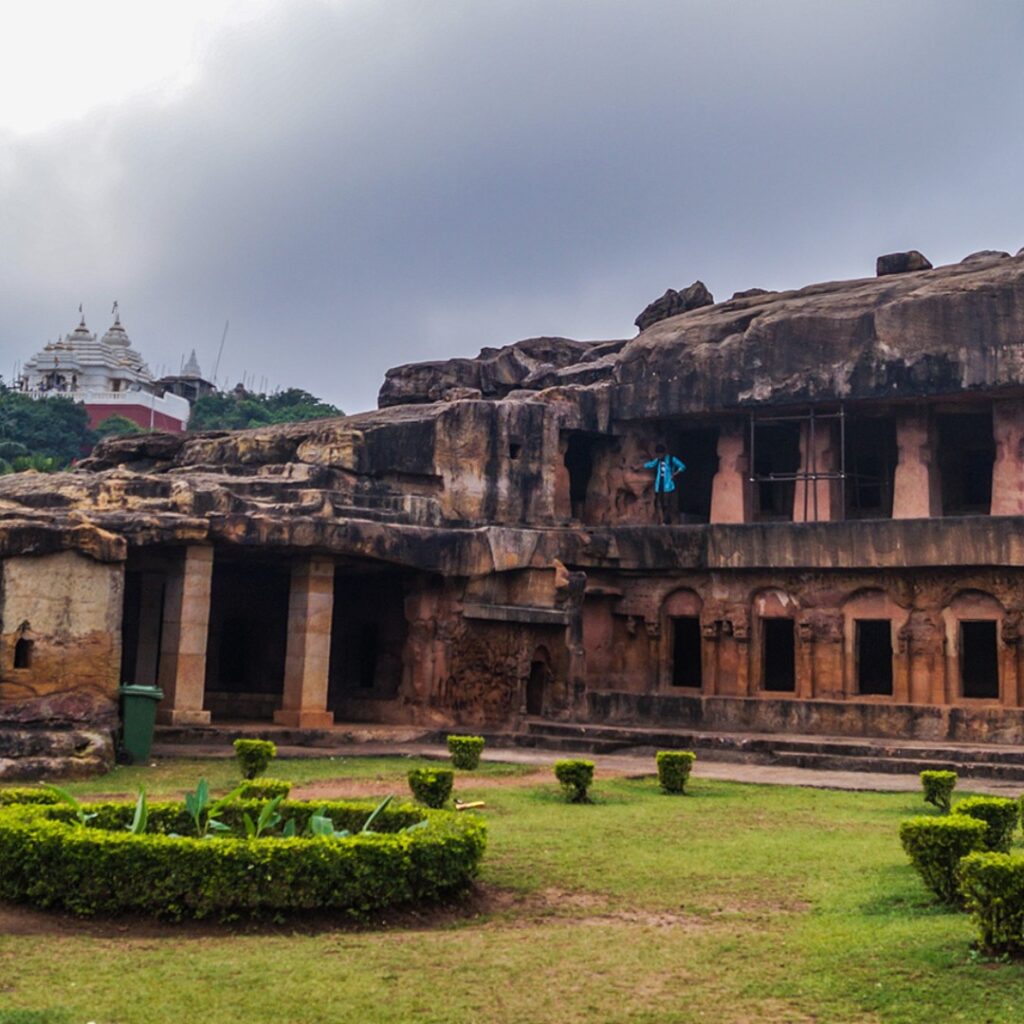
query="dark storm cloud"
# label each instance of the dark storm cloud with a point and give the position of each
(362, 184)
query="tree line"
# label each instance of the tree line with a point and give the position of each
(49, 434)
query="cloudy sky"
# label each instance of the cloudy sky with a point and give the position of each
(356, 184)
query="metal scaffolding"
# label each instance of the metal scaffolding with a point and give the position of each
(808, 471)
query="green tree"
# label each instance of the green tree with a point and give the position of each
(238, 409)
(116, 426)
(48, 432)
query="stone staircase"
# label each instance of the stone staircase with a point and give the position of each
(827, 753)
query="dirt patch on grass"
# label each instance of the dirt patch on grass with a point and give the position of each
(484, 904)
(347, 789)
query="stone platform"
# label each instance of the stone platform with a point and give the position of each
(825, 754)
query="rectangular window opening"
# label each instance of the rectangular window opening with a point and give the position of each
(979, 659)
(686, 652)
(23, 653)
(874, 656)
(779, 652)
(776, 454)
(967, 452)
(871, 457)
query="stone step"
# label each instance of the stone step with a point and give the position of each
(898, 765)
(771, 743)
(824, 753)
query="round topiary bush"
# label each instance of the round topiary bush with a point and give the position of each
(254, 756)
(466, 751)
(674, 769)
(50, 859)
(431, 786)
(575, 778)
(935, 847)
(1000, 815)
(938, 788)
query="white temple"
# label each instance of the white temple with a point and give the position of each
(107, 375)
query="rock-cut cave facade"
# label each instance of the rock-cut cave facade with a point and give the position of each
(844, 553)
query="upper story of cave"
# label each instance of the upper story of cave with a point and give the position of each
(900, 396)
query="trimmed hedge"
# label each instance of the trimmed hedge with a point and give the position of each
(575, 778)
(999, 815)
(263, 789)
(466, 751)
(254, 756)
(935, 846)
(992, 885)
(49, 860)
(674, 769)
(26, 795)
(431, 786)
(938, 788)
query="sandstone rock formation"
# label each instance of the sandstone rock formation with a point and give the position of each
(493, 523)
(901, 263)
(672, 303)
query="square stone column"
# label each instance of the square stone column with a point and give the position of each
(1008, 470)
(916, 488)
(817, 500)
(730, 490)
(182, 674)
(308, 654)
(147, 651)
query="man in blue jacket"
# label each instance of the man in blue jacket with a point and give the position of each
(666, 468)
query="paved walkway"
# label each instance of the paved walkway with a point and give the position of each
(620, 764)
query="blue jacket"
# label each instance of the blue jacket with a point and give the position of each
(667, 467)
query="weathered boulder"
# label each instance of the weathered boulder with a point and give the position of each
(986, 254)
(901, 263)
(750, 293)
(493, 373)
(672, 303)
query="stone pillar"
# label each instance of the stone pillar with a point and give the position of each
(182, 674)
(147, 651)
(916, 489)
(308, 655)
(817, 500)
(730, 489)
(1008, 470)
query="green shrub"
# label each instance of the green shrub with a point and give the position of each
(47, 859)
(254, 756)
(935, 846)
(938, 788)
(465, 751)
(575, 778)
(431, 786)
(992, 885)
(998, 813)
(263, 789)
(27, 795)
(674, 769)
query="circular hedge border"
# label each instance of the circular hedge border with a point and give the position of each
(48, 859)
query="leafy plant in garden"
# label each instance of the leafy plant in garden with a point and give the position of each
(141, 817)
(64, 797)
(204, 812)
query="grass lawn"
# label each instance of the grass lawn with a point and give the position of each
(733, 904)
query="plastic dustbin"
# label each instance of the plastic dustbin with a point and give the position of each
(139, 717)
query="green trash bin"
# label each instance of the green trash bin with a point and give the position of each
(139, 717)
